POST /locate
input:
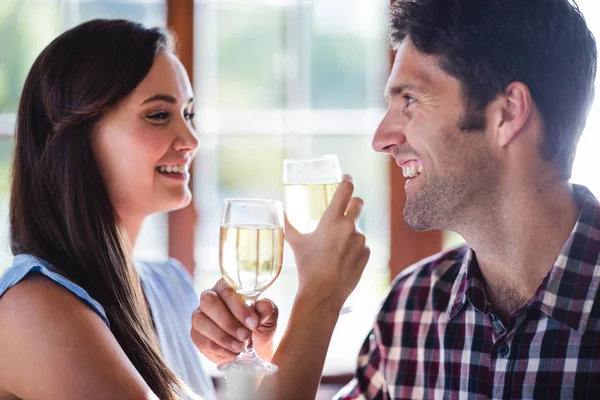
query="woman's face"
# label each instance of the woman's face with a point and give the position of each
(144, 146)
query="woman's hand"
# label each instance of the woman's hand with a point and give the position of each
(222, 322)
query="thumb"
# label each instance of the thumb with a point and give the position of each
(292, 236)
(268, 314)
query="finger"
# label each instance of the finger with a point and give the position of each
(266, 310)
(236, 306)
(364, 258)
(340, 199)
(215, 309)
(291, 234)
(207, 328)
(210, 349)
(355, 208)
(268, 313)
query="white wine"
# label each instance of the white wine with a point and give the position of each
(250, 257)
(305, 204)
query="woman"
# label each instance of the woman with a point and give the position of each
(104, 138)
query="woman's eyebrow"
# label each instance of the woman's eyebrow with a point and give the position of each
(161, 97)
(166, 98)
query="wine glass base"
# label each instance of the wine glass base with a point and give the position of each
(255, 367)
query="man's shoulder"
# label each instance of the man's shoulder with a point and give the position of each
(427, 281)
(433, 268)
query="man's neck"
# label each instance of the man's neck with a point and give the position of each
(517, 241)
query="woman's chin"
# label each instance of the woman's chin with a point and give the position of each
(177, 203)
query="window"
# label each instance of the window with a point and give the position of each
(6, 146)
(30, 25)
(292, 79)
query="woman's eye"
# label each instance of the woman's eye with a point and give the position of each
(189, 116)
(159, 116)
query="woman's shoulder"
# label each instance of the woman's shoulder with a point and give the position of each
(35, 297)
(25, 266)
(49, 335)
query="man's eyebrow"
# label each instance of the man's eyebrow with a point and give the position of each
(166, 98)
(399, 89)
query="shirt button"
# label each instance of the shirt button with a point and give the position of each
(503, 350)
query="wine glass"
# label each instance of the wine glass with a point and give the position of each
(309, 186)
(250, 257)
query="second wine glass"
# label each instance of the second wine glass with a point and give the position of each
(309, 186)
(250, 257)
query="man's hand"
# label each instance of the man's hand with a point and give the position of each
(223, 322)
(331, 260)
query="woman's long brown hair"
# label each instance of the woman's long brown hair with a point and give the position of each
(59, 208)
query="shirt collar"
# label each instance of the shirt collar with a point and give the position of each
(458, 295)
(568, 292)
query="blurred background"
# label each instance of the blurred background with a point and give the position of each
(274, 79)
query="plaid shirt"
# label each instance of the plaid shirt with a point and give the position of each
(436, 337)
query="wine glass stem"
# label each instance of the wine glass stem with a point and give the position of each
(248, 351)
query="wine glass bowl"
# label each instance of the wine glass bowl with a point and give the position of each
(309, 186)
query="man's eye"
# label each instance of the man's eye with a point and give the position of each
(409, 100)
(159, 116)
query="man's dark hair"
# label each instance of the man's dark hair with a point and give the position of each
(487, 44)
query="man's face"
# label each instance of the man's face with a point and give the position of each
(449, 168)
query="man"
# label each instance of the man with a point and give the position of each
(487, 101)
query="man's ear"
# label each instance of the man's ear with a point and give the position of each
(514, 106)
